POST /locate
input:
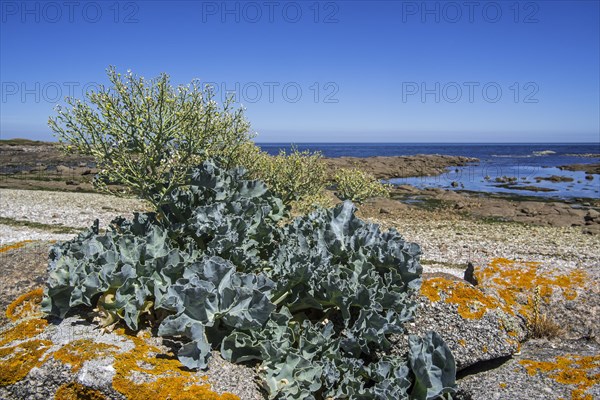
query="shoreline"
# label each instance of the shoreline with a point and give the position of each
(43, 168)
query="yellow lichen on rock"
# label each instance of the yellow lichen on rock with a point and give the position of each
(511, 279)
(570, 369)
(77, 391)
(14, 246)
(160, 375)
(26, 305)
(17, 361)
(504, 284)
(23, 330)
(79, 351)
(472, 303)
(163, 378)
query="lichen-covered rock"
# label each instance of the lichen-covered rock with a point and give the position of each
(568, 298)
(490, 320)
(473, 325)
(64, 359)
(542, 370)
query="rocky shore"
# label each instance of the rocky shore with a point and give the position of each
(400, 166)
(41, 165)
(587, 168)
(581, 213)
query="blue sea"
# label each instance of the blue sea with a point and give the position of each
(525, 162)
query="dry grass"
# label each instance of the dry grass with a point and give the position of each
(540, 325)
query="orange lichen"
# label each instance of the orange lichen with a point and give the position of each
(24, 330)
(472, 303)
(570, 369)
(503, 385)
(77, 391)
(162, 377)
(512, 278)
(513, 283)
(26, 305)
(14, 246)
(79, 351)
(17, 361)
(167, 377)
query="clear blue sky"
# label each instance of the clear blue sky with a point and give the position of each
(389, 71)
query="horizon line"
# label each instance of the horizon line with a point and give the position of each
(357, 142)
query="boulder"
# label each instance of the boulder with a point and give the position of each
(64, 170)
(475, 326)
(469, 274)
(543, 370)
(41, 359)
(512, 301)
(561, 297)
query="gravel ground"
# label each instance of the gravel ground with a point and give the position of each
(11, 234)
(448, 241)
(57, 209)
(457, 241)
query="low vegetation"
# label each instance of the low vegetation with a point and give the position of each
(313, 300)
(145, 135)
(539, 324)
(220, 264)
(357, 185)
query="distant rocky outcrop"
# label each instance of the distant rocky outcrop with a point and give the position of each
(587, 168)
(505, 208)
(400, 166)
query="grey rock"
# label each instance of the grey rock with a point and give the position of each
(511, 380)
(62, 169)
(97, 370)
(592, 215)
(496, 334)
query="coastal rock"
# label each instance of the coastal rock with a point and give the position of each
(40, 358)
(474, 325)
(530, 212)
(400, 166)
(588, 168)
(543, 370)
(592, 229)
(592, 215)
(62, 169)
(552, 302)
(469, 275)
(513, 300)
(554, 178)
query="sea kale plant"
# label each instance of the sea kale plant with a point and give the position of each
(312, 302)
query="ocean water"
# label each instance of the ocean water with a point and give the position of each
(525, 162)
